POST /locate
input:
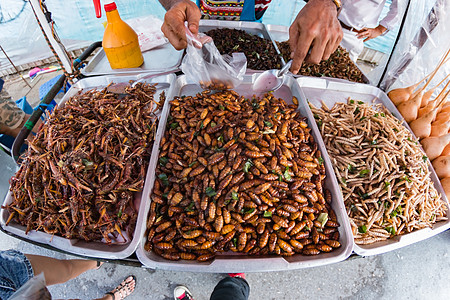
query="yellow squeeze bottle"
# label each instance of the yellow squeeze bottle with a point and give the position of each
(120, 41)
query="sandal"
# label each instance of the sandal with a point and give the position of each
(99, 264)
(124, 289)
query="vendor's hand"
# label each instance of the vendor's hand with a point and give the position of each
(371, 33)
(173, 26)
(315, 27)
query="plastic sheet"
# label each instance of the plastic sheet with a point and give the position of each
(421, 46)
(204, 65)
(33, 289)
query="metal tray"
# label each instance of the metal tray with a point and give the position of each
(253, 28)
(161, 59)
(231, 263)
(279, 33)
(80, 247)
(331, 91)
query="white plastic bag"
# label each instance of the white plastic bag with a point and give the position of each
(204, 65)
(149, 32)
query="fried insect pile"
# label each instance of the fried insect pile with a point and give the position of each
(260, 53)
(339, 65)
(238, 174)
(79, 175)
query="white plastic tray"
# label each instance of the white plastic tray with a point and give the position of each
(161, 59)
(230, 262)
(331, 91)
(80, 247)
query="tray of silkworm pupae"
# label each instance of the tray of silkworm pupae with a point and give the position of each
(391, 192)
(242, 183)
(80, 183)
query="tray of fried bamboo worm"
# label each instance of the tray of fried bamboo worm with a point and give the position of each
(391, 192)
(227, 197)
(79, 186)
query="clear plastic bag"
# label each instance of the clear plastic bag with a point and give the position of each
(33, 289)
(204, 65)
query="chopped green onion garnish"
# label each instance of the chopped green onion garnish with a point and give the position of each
(364, 172)
(286, 174)
(234, 195)
(268, 124)
(249, 211)
(247, 165)
(190, 207)
(323, 218)
(362, 229)
(390, 229)
(164, 179)
(320, 159)
(210, 192)
(267, 214)
(163, 160)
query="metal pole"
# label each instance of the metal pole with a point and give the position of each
(17, 70)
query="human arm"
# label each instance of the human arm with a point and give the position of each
(386, 24)
(371, 33)
(179, 11)
(12, 118)
(317, 27)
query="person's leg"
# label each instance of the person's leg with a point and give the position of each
(59, 271)
(352, 44)
(231, 288)
(123, 290)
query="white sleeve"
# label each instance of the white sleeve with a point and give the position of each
(392, 16)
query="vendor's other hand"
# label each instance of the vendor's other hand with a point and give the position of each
(316, 27)
(173, 26)
(371, 33)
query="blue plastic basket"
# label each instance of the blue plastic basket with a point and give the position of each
(45, 88)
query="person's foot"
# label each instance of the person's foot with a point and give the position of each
(241, 275)
(124, 289)
(182, 293)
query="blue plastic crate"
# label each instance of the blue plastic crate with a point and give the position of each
(45, 88)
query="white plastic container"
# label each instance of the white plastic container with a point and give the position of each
(331, 91)
(80, 247)
(232, 262)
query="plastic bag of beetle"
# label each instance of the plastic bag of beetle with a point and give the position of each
(204, 65)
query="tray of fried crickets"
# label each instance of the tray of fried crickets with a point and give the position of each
(242, 184)
(249, 38)
(391, 192)
(80, 184)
